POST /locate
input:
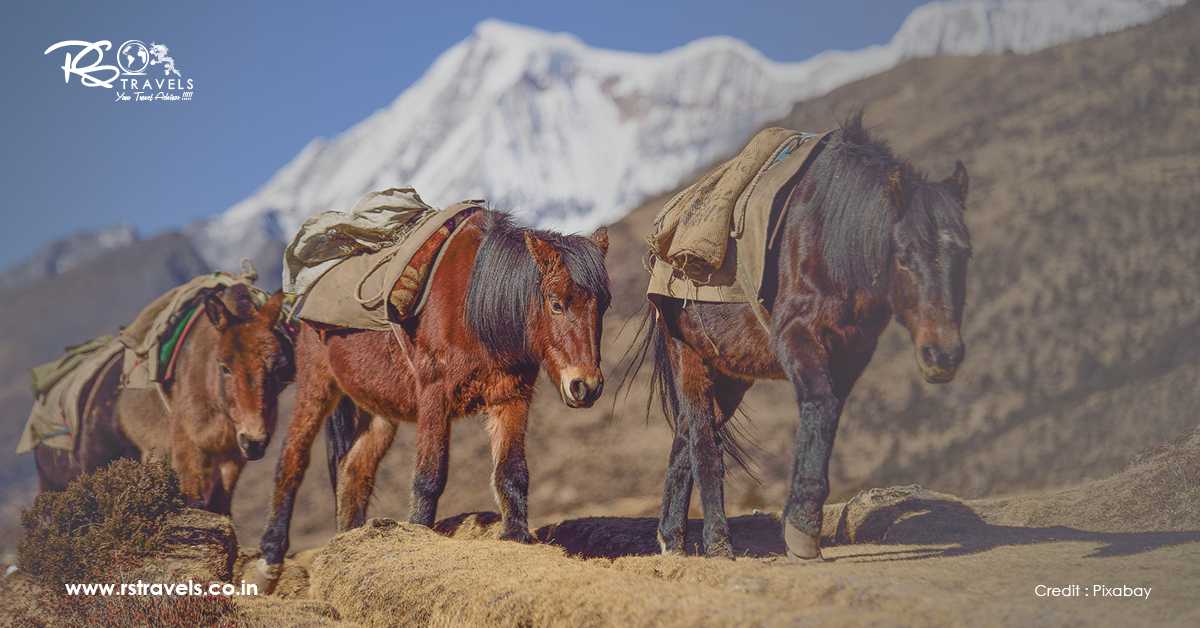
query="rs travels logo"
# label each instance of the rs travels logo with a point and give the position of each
(142, 73)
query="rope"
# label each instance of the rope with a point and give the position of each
(371, 302)
(406, 349)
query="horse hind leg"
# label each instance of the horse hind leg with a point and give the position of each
(677, 494)
(694, 384)
(356, 477)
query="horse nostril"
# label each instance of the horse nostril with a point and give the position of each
(929, 355)
(956, 358)
(578, 389)
(253, 449)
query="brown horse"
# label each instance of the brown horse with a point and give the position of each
(863, 239)
(218, 413)
(504, 302)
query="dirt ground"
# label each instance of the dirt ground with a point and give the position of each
(1121, 551)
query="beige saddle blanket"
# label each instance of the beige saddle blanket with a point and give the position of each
(163, 319)
(61, 390)
(711, 240)
(369, 267)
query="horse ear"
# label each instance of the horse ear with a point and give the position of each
(898, 188)
(240, 301)
(543, 253)
(217, 313)
(270, 310)
(959, 182)
(600, 239)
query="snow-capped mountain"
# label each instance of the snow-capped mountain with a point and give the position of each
(570, 136)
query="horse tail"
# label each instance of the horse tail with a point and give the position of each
(339, 436)
(650, 342)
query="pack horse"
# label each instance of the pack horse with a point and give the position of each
(857, 238)
(499, 303)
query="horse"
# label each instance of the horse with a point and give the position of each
(864, 239)
(218, 413)
(504, 302)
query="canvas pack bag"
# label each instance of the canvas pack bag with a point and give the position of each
(368, 268)
(745, 235)
(61, 391)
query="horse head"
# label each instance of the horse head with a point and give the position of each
(253, 363)
(930, 250)
(564, 327)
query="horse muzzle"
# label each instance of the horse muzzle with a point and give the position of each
(252, 449)
(578, 390)
(939, 364)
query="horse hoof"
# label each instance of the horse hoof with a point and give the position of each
(719, 549)
(263, 576)
(675, 549)
(520, 536)
(801, 546)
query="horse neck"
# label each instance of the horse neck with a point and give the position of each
(193, 365)
(801, 259)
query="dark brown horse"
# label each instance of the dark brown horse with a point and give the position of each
(863, 238)
(504, 302)
(218, 413)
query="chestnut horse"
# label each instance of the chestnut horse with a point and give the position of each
(503, 302)
(218, 413)
(863, 238)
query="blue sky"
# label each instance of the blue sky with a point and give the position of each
(270, 77)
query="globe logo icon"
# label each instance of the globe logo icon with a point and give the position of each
(133, 57)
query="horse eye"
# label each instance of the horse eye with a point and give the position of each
(225, 369)
(556, 307)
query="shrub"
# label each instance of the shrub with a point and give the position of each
(102, 523)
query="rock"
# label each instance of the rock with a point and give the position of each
(198, 545)
(902, 514)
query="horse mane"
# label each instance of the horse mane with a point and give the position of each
(847, 192)
(937, 212)
(506, 283)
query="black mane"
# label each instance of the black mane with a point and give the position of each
(849, 196)
(506, 284)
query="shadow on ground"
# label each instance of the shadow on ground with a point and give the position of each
(927, 524)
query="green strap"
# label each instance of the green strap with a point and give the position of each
(168, 347)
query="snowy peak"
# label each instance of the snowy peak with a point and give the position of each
(993, 26)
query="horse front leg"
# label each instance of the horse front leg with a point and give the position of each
(507, 423)
(804, 361)
(196, 473)
(433, 456)
(356, 479)
(315, 399)
(228, 472)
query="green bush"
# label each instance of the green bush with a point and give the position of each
(102, 523)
